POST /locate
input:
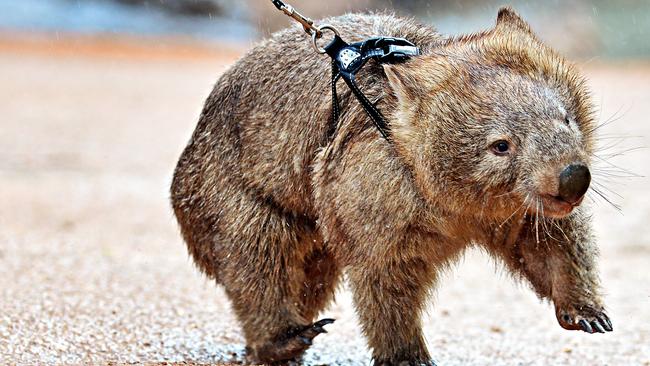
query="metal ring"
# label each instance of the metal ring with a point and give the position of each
(319, 34)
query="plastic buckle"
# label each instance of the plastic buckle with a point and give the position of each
(396, 49)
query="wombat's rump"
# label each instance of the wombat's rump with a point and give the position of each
(486, 130)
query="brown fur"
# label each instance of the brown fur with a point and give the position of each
(275, 212)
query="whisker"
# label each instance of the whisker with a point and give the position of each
(537, 220)
(504, 194)
(544, 228)
(610, 136)
(613, 172)
(517, 210)
(547, 230)
(603, 196)
(612, 165)
(615, 117)
(557, 225)
(623, 152)
(611, 143)
(592, 199)
(602, 186)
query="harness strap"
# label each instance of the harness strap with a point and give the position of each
(335, 100)
(348, 59)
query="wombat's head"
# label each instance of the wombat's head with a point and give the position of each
(495, 123)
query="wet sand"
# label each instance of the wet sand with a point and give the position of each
(93, 269)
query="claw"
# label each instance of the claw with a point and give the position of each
(597, 327)
(609, 322)
(315, 329)
(325, 321)
(585, 326)
(607, 325)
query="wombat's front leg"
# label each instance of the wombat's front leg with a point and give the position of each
(389, 298)
(574, 274)
(558, 257)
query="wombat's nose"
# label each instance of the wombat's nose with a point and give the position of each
(574, 182)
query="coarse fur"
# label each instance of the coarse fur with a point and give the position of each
(275, 209)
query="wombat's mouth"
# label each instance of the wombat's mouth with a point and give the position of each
(555, 207)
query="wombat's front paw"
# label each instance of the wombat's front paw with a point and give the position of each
(584, 318)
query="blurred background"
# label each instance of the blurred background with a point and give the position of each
(99, 97)
(579, 28)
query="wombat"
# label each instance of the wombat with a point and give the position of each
(491, 140)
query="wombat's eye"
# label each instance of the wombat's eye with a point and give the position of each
(501, 147)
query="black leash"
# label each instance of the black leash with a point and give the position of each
(348, 59)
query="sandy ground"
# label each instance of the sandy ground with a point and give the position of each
(93, 270)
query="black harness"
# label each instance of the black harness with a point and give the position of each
(348, 59)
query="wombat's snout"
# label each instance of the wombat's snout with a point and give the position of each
(574, 182)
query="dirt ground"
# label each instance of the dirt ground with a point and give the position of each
(93, 270)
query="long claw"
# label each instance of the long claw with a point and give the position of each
(317, 328)
(605, 323)
(585, 326)
(325, 321)
(597, 327)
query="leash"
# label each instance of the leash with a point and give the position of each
(307, 24)
(348, 59)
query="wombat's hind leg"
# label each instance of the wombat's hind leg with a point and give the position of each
(292, 345)
(322, 275)
(264, 276)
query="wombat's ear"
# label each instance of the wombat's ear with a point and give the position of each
(404, 85)
(415, 79)
(508, 18)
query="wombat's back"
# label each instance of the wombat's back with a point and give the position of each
(268, 115)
